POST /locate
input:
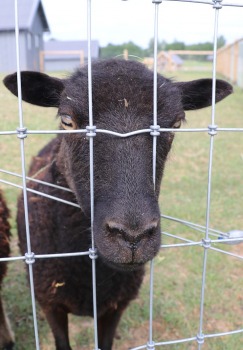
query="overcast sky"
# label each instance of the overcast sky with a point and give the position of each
(117, 21)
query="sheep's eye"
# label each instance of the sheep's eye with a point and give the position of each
(68, 122)
(177, 124)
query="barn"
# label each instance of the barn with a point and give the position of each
(60, 55)
(169, 62)
(32, 25)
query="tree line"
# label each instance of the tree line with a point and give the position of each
(112, 50)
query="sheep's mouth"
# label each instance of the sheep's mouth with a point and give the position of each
(131, 266)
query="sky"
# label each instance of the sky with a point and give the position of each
(119, 21)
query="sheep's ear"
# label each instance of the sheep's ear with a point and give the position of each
(198, 93)
(37, 88)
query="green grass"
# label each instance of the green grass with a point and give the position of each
(177, 276)
(196, 65)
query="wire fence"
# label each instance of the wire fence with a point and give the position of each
(210, 235)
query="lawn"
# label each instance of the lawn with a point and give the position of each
(177, 271)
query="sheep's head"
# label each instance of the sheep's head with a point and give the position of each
(126, 211)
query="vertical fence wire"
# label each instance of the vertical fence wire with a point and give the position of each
(91, 134)
(154, 134)
(212, 133)
(22, 135)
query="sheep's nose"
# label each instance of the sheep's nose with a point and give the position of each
(132, 236)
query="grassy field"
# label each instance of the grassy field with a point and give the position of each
(177, 270)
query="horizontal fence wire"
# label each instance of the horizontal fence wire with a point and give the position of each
(219, 3)
(205, 243)
(123, 135)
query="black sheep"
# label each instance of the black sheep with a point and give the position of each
(126, 211)
(6, 335)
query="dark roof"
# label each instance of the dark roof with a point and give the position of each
(177, 59)
(59, 45)
(27, 10)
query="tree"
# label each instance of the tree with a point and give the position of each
(221, 41)
(150, 50)
(176, 45)
(112, 50)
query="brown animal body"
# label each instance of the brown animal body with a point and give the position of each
(126, 212)
(6, 335)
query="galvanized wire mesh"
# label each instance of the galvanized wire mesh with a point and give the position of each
(206, 243)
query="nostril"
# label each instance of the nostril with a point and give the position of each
(150, 231)
(115, 229)
(151, 228)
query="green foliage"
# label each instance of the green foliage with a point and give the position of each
(176, 45)
(112, 50)
(150, 50)
(118, 50)
(221, 41)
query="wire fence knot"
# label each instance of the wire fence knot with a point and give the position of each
(151, 345)
(206, 243)
(91, 131)
(29, 258)
(92, 253)
(212, 130)
(22, 133)
(154, 130)
(217, 4)
(200, 338)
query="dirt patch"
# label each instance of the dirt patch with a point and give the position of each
(135, 336)
(238, 249)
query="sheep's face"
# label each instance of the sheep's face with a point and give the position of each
(126, 212)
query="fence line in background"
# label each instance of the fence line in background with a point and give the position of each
(230, 62)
